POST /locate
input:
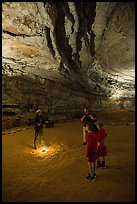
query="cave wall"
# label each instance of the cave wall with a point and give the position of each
(65, 55)
(35, 92)
(115, 50)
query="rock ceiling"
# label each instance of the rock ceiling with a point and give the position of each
(87, 48)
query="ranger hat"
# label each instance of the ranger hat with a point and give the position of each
(38, 111)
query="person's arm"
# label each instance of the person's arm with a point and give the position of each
(87, 147)
(91, 116)
(102, 138)
(82, 118)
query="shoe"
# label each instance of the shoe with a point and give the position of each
(89, 177)
(35, 147)
(92, 178)
(95, 175)
(98, 165)
(84, 143)
(103, 166)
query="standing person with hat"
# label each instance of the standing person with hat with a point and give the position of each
(39, 122)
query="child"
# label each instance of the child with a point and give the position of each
(91, 139)
(102, 149)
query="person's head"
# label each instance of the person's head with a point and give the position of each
(39, 112)
(89, 127)
(86, 110)
(99, 124)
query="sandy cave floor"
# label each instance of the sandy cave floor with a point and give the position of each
(59, 174)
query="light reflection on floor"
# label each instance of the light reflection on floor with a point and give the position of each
(51, 150)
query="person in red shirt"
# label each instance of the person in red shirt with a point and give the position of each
(91, 151)
(102, 148)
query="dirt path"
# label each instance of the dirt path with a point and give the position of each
(59, 174)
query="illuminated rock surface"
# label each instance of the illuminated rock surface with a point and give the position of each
(65, 55)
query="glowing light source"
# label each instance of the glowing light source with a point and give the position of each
(44, 150)
(50, 151)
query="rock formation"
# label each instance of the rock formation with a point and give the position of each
(64, 55)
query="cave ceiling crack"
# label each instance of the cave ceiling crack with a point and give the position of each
(21, 34)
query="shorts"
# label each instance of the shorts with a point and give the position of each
(92, 156)
(102, 151)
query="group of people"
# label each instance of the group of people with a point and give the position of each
(94, 136)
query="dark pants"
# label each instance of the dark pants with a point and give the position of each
(38, 134)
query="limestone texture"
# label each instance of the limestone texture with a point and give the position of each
(62, 56)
